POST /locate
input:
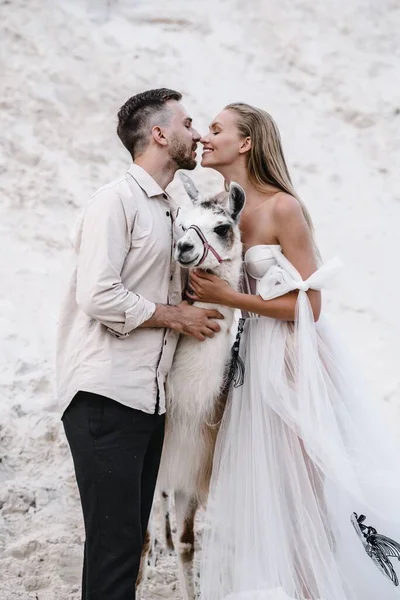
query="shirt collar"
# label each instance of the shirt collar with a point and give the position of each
(146, 182)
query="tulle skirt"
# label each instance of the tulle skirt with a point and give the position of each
(300, 450)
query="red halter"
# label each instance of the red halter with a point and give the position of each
(206, 246)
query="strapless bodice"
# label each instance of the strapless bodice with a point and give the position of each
(273, 275)
(258, 259)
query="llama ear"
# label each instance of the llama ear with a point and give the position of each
(190, 187)
(237, 199)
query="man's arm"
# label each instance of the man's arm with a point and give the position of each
(100, 293)
(105, 243)
(186, 319)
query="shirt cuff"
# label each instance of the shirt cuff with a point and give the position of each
(140, 312)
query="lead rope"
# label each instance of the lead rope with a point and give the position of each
(236, 369)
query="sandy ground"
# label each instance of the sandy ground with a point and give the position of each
(328, 72)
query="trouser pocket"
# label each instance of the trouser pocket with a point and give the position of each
(95, 413)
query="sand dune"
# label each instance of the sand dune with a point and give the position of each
(327, 72)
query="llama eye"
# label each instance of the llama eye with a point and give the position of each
(222, 230)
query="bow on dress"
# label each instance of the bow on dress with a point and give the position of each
(284, 277)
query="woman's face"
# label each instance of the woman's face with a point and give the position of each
(223, 144)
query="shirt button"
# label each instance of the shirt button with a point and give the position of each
(165, 196)
(165, 342)
(167, 213)
(171, 278)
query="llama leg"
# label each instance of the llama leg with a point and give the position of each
(186, 508)
(152, 553)
(165, 507)
(142, 575)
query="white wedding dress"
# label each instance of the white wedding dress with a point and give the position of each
(300, 449)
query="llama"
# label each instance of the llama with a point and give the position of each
(197, 382)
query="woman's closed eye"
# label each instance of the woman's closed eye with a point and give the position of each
(214, 131)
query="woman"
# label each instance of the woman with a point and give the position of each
(300, 454)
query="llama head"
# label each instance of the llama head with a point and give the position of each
(210, 230)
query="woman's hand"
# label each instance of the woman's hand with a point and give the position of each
(206, 287)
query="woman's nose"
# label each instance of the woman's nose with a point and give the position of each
(204, 139)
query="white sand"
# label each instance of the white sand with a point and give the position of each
(329, 72)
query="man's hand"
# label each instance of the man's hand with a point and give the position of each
(186, 319)
(197, 322)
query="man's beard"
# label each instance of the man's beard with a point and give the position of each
(182, 155)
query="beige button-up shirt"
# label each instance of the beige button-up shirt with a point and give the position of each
(122, 268)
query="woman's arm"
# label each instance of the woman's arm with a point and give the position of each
(295, 239)
(282, 308)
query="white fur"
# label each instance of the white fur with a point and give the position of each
(197, 376)
(194, 386)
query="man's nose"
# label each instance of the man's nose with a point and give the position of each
(196, 136)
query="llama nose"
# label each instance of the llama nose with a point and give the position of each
(185, 247)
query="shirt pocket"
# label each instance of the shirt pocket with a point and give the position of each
(143, 225)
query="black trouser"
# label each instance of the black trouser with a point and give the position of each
(116, 452)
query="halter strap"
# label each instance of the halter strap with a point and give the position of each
(206, 246)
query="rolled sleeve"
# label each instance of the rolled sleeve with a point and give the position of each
(138, 314)
(134, 317)
(105, 243)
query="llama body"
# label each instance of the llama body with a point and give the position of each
(194, 405)
(197, 382)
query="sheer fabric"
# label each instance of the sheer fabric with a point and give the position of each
(301, 448)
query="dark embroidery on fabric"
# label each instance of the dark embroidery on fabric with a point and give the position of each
(378, 547)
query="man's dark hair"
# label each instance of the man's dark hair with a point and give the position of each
(135, 115)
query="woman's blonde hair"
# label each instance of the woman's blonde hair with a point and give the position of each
(266, 164)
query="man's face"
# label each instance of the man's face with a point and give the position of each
(182, 138)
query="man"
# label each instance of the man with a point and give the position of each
(118, 329)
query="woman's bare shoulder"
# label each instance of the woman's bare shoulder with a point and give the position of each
(285, 205)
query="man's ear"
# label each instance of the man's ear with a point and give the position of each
(158, 136)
